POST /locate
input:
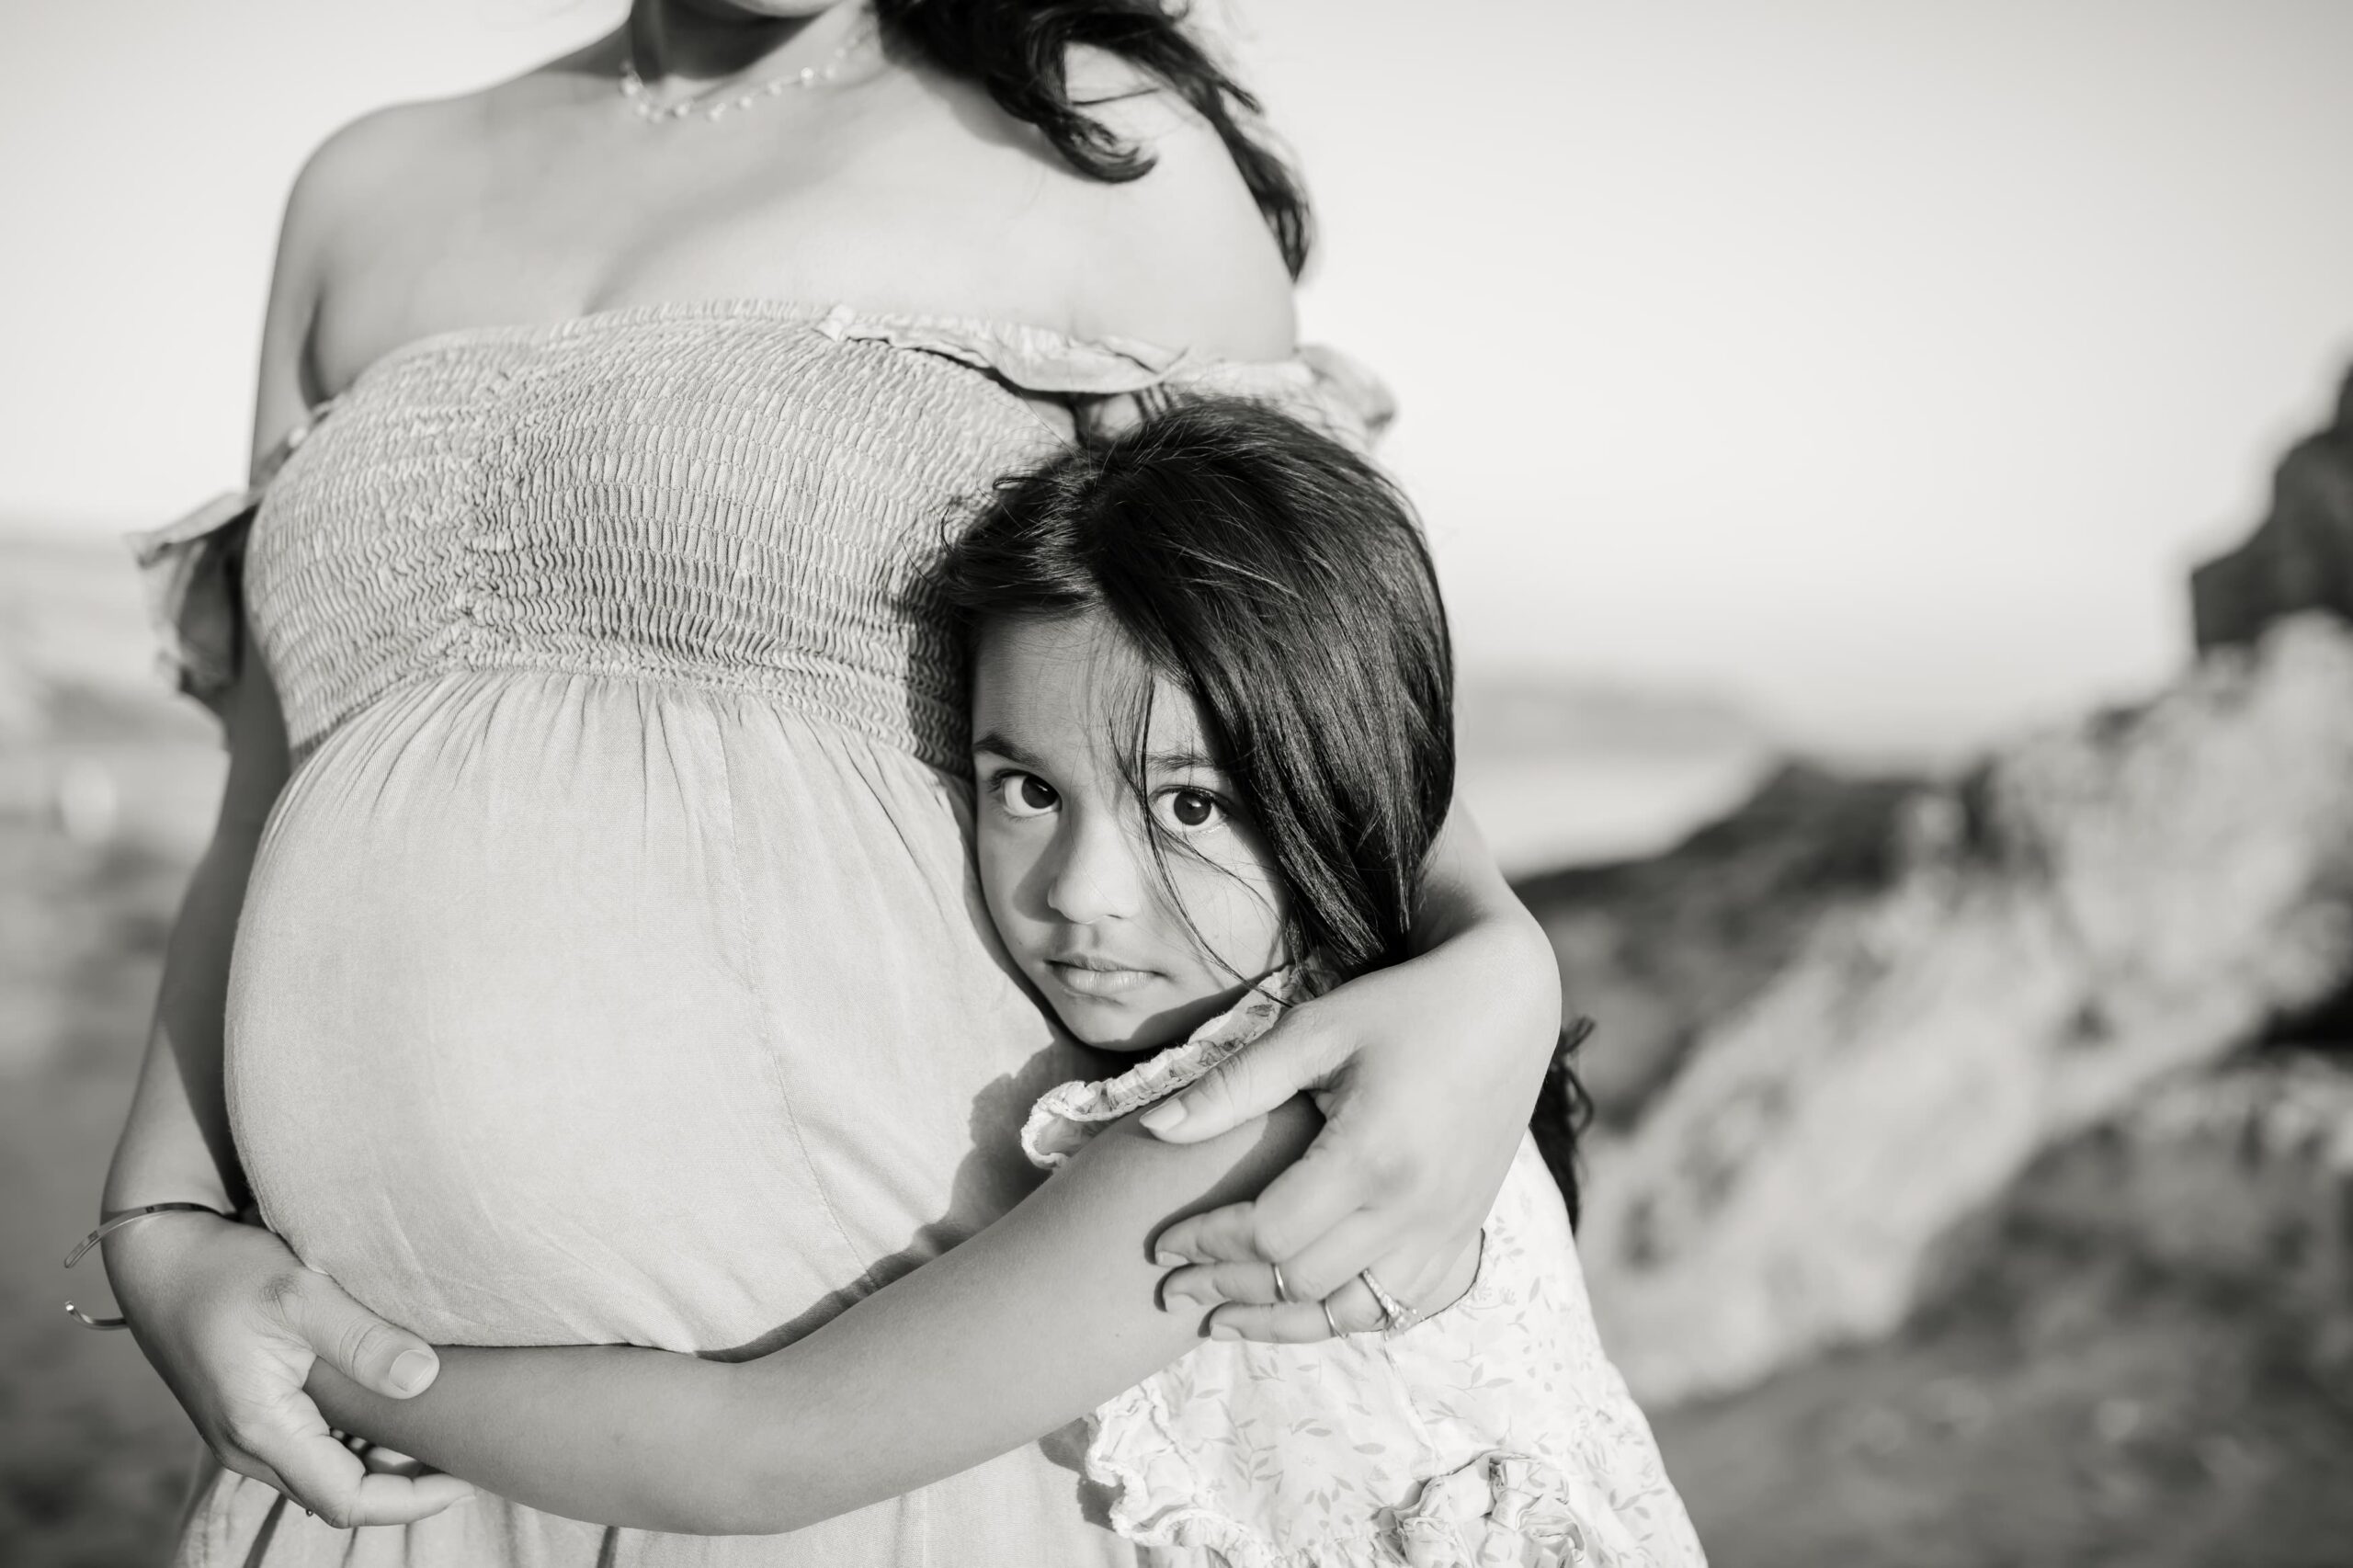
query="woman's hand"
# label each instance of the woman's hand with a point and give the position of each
(234, 1322)
(1425, 1073)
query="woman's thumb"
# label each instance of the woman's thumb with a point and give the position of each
(1262, 1075)
(361, 1345)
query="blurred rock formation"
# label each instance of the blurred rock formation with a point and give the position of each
(2301, 557)
(1866, 1009)
(2143, 1354)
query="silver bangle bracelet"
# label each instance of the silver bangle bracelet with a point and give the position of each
(106, 1228)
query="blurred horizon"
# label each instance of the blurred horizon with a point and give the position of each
(1880, 369)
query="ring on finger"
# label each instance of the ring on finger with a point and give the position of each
(1329, 1321)
(1396, 1315)
(1282, 1290)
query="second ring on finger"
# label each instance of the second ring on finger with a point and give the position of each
(1347, 1311)
(1207, 1284)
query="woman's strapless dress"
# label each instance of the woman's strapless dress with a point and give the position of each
(612, 969)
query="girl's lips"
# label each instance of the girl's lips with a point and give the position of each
(1092, 977)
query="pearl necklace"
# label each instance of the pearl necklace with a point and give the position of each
(710, 107)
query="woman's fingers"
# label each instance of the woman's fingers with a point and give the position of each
(1322, 1188)
(1206, 1285)
(1361, 1240)
(1218, 1235)
(323, 1476)
(1352, 1311)
(1290, 1059)
(293, 1451)
(380, 1460)
(390, 1499)
(1355, 1309)
(355, 1342)
(310, 1319)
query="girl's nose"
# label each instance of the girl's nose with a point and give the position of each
(1097, 877)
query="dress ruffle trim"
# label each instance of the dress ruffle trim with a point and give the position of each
(191, 569)
(1113, 382)
(191, 566)
(1036, 358)
(1067, 1116)
(1502, 1510)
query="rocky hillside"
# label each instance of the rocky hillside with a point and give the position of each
(1851, 1017)
(2142, 1355)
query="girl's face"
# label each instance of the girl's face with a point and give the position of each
(1130, 957)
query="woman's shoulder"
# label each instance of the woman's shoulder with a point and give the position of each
(398, 140)
(370, 180)
(1181, 255)
(379, 155)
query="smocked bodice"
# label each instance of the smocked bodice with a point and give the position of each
(737, 494)
(697, 497)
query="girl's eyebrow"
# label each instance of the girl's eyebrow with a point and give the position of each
(1179, 761)
(994, 741)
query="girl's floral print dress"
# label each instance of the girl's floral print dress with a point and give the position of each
(1495, 1432)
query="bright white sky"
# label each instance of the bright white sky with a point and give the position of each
(1884, 364)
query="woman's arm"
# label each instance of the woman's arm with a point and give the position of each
(226, 1314)
(1425, 1072)
(1036, 1321)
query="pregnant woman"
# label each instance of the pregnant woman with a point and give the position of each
(615, 867)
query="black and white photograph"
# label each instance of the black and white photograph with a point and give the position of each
(1176, 784)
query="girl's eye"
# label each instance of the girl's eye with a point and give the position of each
(1026, 795)
(1189, 811)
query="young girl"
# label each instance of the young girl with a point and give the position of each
(1212, 744)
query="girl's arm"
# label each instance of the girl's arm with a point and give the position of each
(1425, 1073)
(1036, 1321)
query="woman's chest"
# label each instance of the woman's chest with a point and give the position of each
(895, 207)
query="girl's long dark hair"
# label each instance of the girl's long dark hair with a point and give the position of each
(1281, 582)
(1015, 49)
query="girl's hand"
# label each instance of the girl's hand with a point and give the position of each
(1425, 1073)
(233, 1321)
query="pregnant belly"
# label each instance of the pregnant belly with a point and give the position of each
(570, 1009)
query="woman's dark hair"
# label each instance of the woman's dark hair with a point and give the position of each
(1015, 49)
(1281, 581)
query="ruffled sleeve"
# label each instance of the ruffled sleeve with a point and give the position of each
(193, 570)
(1069, 1115)
(1111, 383)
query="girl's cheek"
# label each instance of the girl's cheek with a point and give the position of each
(1235, 906)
